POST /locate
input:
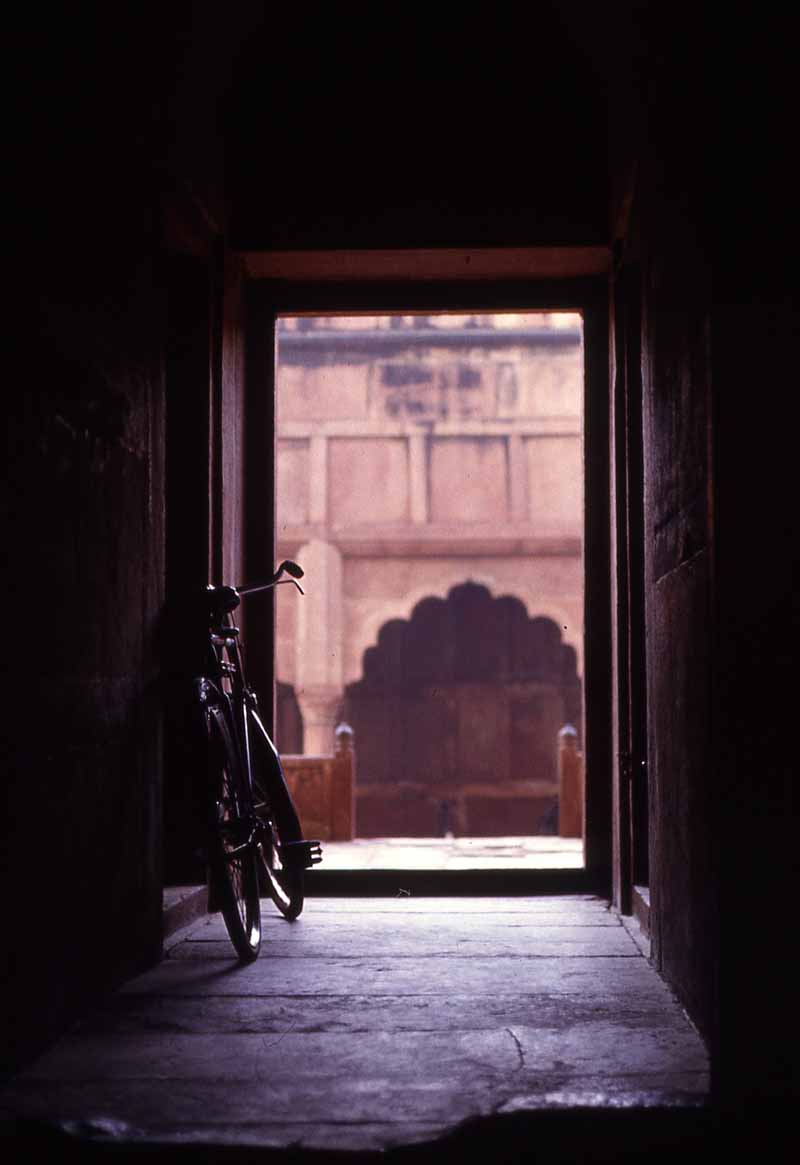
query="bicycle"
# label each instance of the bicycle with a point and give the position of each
(255, 838)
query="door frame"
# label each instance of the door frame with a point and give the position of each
(630, 788)
(267, 298)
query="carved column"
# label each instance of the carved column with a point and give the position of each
(321, 706)
(319, 663)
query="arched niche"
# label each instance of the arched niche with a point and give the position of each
(456, 717)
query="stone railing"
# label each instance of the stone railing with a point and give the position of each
(323, 789)
(489, 809)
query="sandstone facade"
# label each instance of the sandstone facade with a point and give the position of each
(417, 455)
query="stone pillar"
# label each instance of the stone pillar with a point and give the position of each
(319, 663)
(570, 784)
(321, 707)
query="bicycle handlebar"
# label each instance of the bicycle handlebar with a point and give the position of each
(286, 567)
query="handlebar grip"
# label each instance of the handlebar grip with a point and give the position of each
(291, 568)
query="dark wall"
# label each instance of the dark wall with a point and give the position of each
(678, 597)
(85, 545)
(755, 337)
(712, 242)
(106, 207)
(421, 132)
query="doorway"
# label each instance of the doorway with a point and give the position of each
(402, 397)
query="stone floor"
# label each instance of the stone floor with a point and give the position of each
(454, 853)
(371, 1023)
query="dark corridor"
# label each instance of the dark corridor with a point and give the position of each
(636, 159)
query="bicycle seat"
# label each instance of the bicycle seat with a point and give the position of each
(222, 600)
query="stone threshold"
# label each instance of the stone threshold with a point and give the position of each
(393, 883)
(184, 905)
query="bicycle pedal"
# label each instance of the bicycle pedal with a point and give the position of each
(301, 854)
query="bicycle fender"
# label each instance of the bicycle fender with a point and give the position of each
(280, 788)
(264, 735)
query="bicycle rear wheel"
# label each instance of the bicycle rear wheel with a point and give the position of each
(233, 852)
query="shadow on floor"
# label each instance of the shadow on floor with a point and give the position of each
(666, 1136)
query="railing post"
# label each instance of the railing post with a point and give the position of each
(570, 784)
(343, 785)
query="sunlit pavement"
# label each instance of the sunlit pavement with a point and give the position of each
(456, 853)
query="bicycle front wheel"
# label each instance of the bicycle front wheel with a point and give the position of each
(285, 886)
(233, 852)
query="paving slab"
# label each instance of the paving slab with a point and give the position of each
(367, 1013)
(317, 927)
(522, 1051)
(188, 1104)
(499, 974)
(446, 939)
(370, 1024)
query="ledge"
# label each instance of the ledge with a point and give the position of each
(434, 264)
(432, 541)
(182, 905)
(448, 883)
(641, 907)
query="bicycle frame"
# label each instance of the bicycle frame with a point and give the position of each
(239, 702)
(239, 705)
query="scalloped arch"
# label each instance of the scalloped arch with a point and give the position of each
(365, 635)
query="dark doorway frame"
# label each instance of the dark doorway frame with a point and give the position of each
(630, 793)
(266, 300)
(189, 504)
